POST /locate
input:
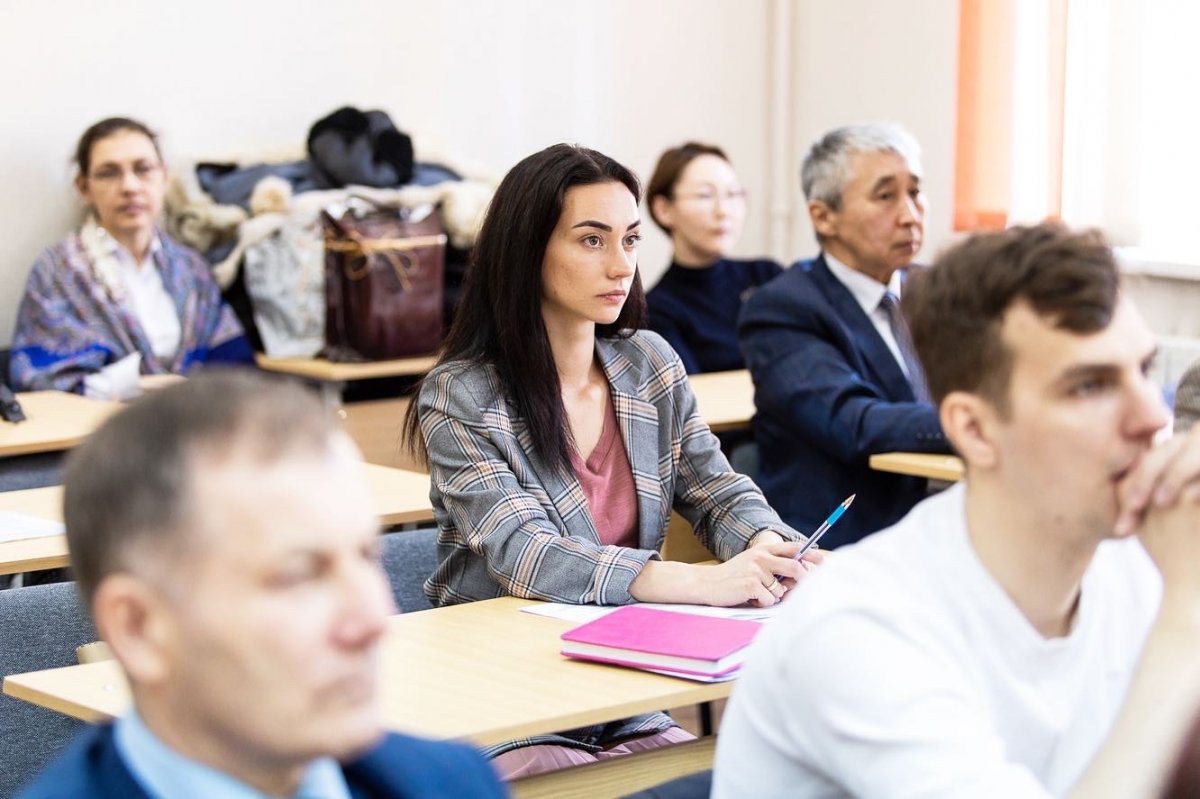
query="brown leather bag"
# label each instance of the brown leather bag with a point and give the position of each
(384, 275)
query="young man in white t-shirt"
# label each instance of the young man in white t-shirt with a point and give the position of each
(1033, 631)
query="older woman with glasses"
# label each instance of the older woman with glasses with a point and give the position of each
(694, 195)
(119, 302)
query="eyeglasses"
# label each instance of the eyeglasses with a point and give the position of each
(712, 197)
(112, 173)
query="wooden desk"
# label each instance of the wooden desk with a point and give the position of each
(54, 420)
(376, 427)
(483, 672)
(399, 497)
(34, 554)
(725, 399)
(920, 464)
(332, 375)
(333, 372)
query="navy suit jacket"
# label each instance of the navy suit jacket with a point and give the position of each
(829, 394)
(399, 766)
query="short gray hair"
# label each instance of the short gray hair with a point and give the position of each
(826, 168)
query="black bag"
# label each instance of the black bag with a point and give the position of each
(359, 148)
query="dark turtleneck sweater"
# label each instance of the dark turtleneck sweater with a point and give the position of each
(696, 310)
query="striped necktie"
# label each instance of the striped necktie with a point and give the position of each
(890, 305)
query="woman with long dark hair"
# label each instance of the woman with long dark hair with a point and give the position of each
(559, 438)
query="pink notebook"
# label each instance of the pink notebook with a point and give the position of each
(662, 639)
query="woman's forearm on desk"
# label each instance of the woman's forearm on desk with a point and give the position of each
(752, 576)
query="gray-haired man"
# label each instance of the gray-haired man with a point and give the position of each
(835, 376)
(224, 541)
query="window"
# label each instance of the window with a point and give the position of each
(1084, 110)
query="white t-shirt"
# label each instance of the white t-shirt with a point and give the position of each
(901, 668)
(152, 305)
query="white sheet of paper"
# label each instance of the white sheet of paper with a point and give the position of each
(20, 526)
(581, 614)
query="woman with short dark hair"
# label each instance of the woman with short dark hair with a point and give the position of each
(559, 437)
(119, 300)
(695, 196)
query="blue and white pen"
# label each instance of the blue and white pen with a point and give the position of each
(824, 528)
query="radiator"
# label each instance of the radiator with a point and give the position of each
(1175, 355)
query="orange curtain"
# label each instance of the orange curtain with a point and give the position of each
(984, 167)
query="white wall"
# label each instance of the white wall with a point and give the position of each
(872, 60)
(490, 81)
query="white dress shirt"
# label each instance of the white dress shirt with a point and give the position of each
(165, 774)
(868, 291)
(141, 289)
(148, 299)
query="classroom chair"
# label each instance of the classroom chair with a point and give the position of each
(40, 469)
(40, 627)
(409, 558)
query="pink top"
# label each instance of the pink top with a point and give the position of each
(607, 481)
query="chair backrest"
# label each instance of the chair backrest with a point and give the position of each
(31, 471)
(40, 627)
(409, 558)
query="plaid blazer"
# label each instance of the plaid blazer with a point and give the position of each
(510, 525)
